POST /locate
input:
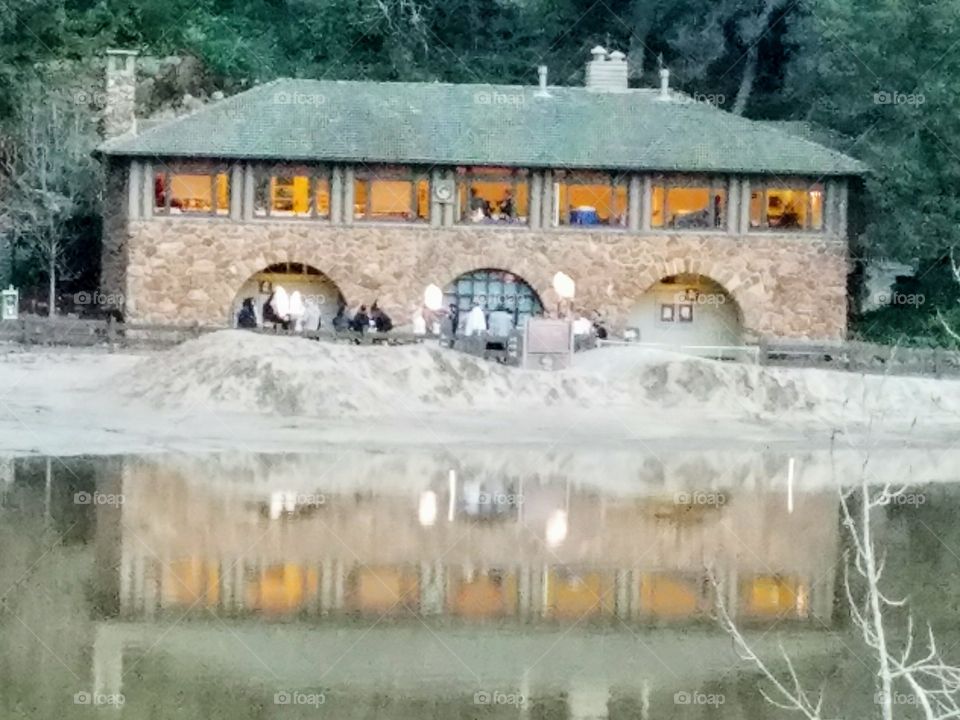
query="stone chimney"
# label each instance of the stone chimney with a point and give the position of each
(119, 113)
(607, 72)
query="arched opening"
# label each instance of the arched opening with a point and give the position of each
(321, 296)
(686, 309)
(492, 289)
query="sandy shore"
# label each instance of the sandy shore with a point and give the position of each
(239, 391)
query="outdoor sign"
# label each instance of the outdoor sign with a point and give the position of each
(547, 343)
(9, 303)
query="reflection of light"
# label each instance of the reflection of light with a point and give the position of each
(428, 508)
(556, 528)
(564, 286)
(281, 502)
(433, 297)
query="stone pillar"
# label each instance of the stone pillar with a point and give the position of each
(119, 115)
(744, 220)
(842, 208)
(147, 189)
(249, 190)
(134, 185)
(436, 207)
(236, 191)
(336, 195)
(646, 208)
(635, 204)
(546, 214)
(536, 200)
(449, 209)
(733, 206)
(348, 178)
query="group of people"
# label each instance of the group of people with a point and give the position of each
(291, 311)
(482, 210)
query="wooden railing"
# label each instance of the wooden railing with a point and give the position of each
(850, 356)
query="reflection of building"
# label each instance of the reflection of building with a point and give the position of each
(493, 549)
(384, 188)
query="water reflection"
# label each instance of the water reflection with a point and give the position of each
(426, 585)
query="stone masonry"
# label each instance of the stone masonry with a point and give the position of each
(187, 270)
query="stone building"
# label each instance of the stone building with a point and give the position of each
(685, 222)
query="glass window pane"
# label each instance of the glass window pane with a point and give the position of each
(223, 194)
(190, 194)
(359, 199)
(816, 208)
(322, 197)
(290, 196)
(656, 211)
(261, 195)
(491, 195)
(160, 192)
(390, 199)
(786, 209)
(756, 209)
(689, 207)
(423, 199)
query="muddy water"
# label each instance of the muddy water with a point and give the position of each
(465, 584)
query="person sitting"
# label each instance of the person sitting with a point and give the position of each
(340, 320)
(507, 209)
(479, 208)
(360, 321)
(381, 321)
(247, 317)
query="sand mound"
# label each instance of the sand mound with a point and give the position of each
(247, 372)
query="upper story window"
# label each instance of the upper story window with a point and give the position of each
(490, 195)
(590, 199)
(191, 188)
(391, 194)
(688, 203)
(290, 191)
(788, 207)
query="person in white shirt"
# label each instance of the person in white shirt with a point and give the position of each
(476, 321)
(501, 322)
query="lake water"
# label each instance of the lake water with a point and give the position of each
(471, 583)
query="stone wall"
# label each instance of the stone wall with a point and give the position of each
(190, 269)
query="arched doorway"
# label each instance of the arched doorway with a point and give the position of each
(687, 309)
(320, 294)
(490, 289)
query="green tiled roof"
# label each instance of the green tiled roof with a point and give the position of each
(443, 124)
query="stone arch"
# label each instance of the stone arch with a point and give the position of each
(748, 293)
(538, 275)
(688, 309)
(321, 294)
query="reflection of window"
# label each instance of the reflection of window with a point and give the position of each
(292, 192)
(592, 199)
(791, 208)
(492, 195)
(391, 194)
(774, 595)
(688, 203)
(204, 191)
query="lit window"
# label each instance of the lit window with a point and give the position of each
(688, 203)
(392, 194)
(788, 208)
(774, 595)
(198, 191)
(291, 192)
(492, 195)
(591, 200)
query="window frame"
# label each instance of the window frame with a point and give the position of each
(172, 168)
(514, 176)
(313, 172)
(713, 184)
(763, 184)
(413, 174)
(561, 215)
